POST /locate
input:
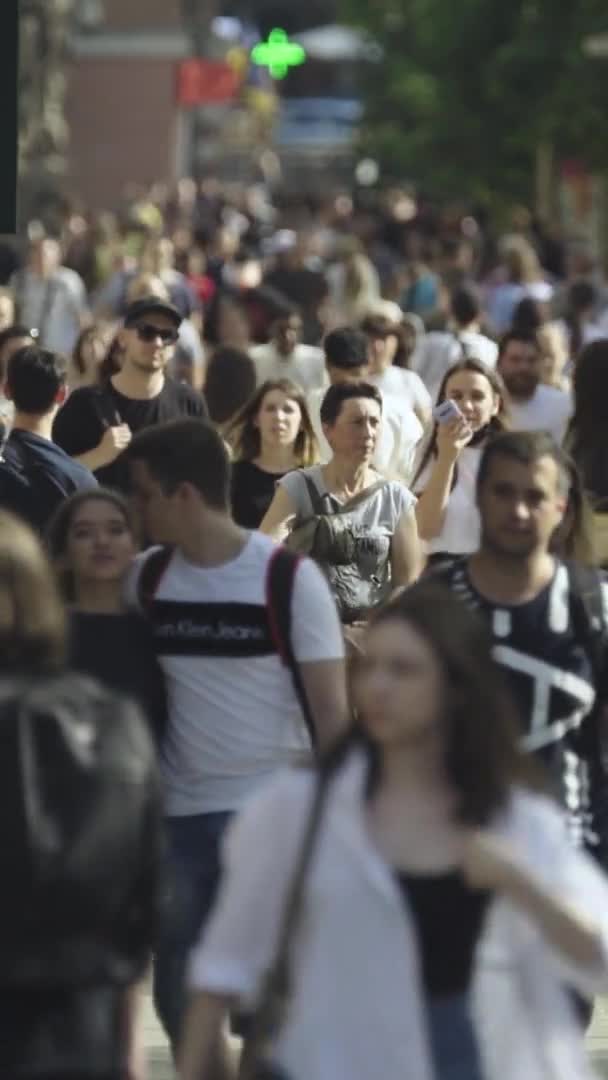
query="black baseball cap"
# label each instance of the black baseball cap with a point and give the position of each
(150, 305)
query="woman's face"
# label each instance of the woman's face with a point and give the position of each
(100, 544)
(398, 685)
(354, 434)
(474, 396)
(279, 420)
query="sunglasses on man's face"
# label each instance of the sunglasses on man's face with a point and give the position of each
(148, 332)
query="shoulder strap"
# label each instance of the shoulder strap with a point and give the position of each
(321, 502)
(150, 576)
(280, 577)
(276, 990)
(318, 501)
(588, 613)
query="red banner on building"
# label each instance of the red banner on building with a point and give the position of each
(200, 82)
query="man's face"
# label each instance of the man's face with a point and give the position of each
(521, 505)
(157, 510)
(150, 343)
(337, 375)
(521, 367)
(287, 334)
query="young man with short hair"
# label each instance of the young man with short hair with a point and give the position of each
(234, 715)
(35, 474)
(547, 619)
(533, 406)
(97, 422)
(347, 361)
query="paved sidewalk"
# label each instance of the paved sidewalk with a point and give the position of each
(160, 1062)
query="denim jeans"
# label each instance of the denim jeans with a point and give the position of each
(193, 873)
(453, 1044)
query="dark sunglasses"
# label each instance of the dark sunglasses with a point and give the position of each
(148, 332)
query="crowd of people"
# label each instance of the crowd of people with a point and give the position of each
(303, 514)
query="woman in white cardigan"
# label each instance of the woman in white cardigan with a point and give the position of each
(446, 922)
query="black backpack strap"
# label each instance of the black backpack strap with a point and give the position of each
(320, 503)
(280, 577)
(151, 575)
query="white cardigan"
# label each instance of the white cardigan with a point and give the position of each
(357, 1008)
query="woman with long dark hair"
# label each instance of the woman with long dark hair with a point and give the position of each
(446, 477)
(92, 541)
(271, 436)
(443, 911)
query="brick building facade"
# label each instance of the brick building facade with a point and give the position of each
(125, 126)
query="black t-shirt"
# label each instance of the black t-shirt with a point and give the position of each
(89, 411)
(448, 915)
(550, 671)
(252, 493)
(119, 651)
(36, 476)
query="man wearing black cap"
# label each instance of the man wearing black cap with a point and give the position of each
(97, 422)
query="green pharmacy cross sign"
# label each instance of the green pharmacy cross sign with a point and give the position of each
(278, 54)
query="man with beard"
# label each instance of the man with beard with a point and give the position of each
(547, 619)
(533, 406)
(96, 423)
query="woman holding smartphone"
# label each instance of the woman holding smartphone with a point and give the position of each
(470, 410)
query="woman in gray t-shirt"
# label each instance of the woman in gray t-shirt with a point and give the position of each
(382, 535)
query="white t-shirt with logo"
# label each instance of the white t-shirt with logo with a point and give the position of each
(234, 718)
(549, 409)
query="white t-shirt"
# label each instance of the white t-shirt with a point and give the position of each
(234, 718)
(398, 441)
(305, 366)
(53, 306)
(439, 351)
(405, 385)
(461, 528)
(549, 409)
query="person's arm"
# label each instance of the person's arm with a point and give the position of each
(280, 516)
(489, 863)
(433, 501)
(406, 554)
(318, 647)
(235, 953)
(202, 1054)
(113, 441)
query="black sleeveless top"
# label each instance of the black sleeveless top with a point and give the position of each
(448, 918)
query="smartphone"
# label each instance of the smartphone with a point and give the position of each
(448, 410)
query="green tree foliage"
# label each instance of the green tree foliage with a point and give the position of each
(468, 90)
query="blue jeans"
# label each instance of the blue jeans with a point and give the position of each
(452, 1038)
(193, 874)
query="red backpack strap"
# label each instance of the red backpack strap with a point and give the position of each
(280, 577)
(150, 576)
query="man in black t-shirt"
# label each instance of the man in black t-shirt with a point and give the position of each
(96, 423)
(547, 621)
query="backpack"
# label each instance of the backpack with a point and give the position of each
(329, 537)
(280, 577)
(79, 834)
(27, 487)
